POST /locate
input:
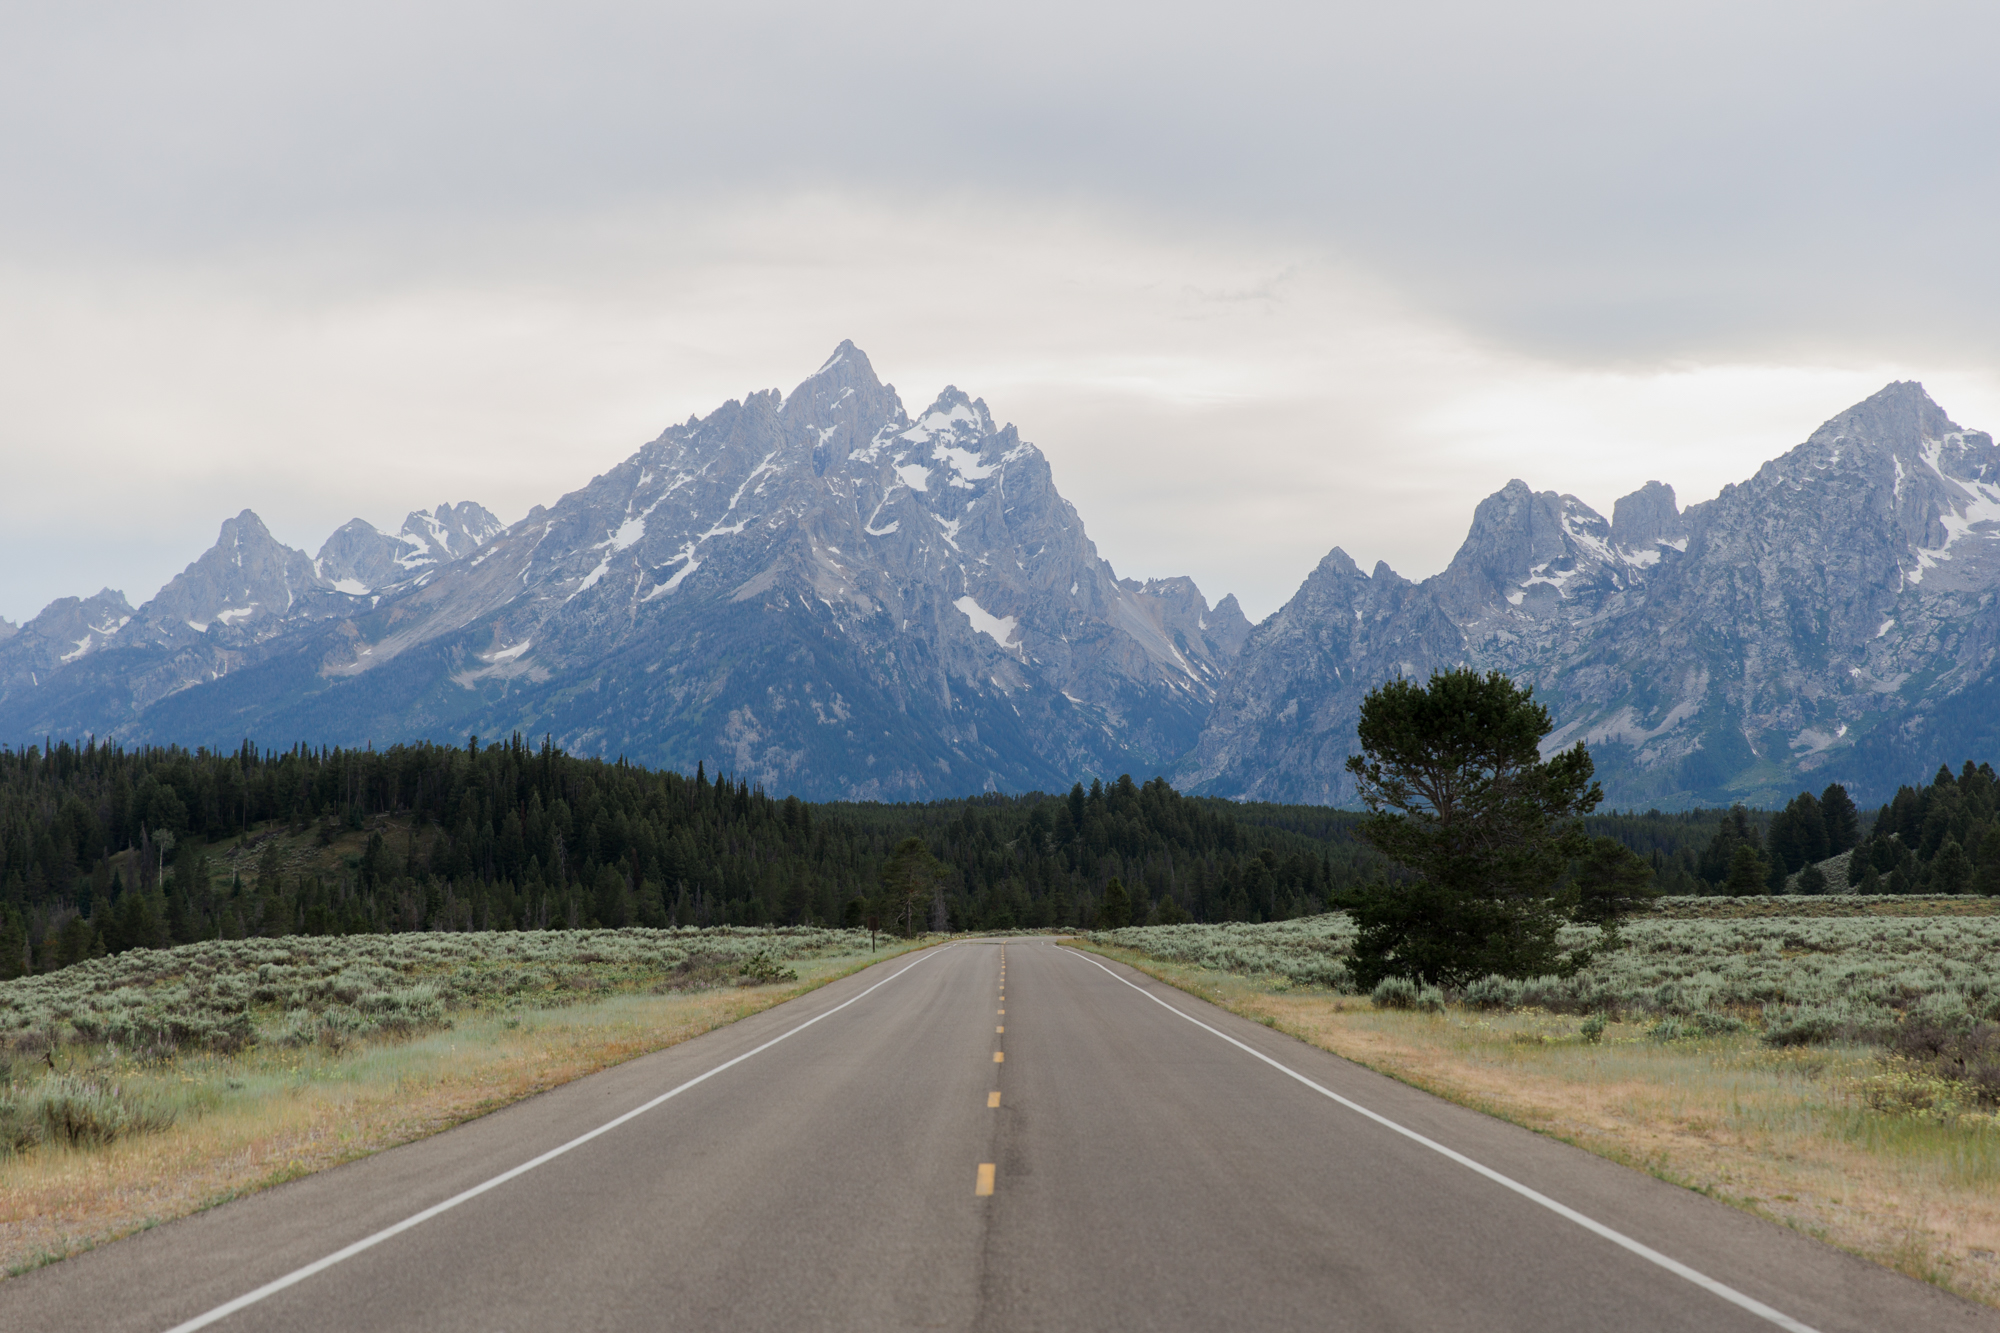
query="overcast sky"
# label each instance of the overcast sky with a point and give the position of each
(1259, 278)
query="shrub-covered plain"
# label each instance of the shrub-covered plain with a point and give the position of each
(1796, 979)
(88, 1055)
(225, 994)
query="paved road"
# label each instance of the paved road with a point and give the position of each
(1137, 1170)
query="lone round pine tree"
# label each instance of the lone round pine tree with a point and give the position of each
(1459, 795)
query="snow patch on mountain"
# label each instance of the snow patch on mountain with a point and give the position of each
(1003, 630)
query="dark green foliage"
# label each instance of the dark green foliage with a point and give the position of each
(1798, 836)
(507, 836)
(1843, 821)
(1950, 870)
(1459, 795)
(1719, 858)
(1611, 882)
(910, 878)
(1748, 873)
(1943, 837)
(1115, 910)
(1811, 880)
(510, 837)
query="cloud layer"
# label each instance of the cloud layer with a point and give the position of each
(1260, 279)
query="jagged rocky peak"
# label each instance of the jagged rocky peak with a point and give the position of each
(1899, 419)
(1530, 550)
(248, 578)
(69, 628)
(840, 406)
(1228, 626)
(1647, 520)
(1899, 436)
(818, 589)
(359, 559)
(449, 532)
(1183, 607)
(1892, 482)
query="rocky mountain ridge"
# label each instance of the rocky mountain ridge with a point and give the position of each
(825, 594)
(813, 590)
(1833, 614)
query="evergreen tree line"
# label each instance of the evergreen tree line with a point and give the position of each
(1943, 838)
(104, 848)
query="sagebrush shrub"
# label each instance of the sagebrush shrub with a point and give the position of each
(1394, 993)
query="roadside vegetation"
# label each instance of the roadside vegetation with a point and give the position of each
(141, 1087)
(1838, 1069)
(1839, 1073)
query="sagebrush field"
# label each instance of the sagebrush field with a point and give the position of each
(154, 1083)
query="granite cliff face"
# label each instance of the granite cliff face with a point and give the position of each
(815, 591)
(1833, 617)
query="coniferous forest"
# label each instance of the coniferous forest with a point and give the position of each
(104, 849)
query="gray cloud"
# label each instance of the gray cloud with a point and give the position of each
(1632, 180)
(334, 259)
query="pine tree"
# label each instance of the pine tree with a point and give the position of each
(909, 878)
(13, 944)
(1951, 869)
(1459, 794)
(1611, 881)
(1843, 821)
(1116, 908)
(1720, 854)
(1748, 874)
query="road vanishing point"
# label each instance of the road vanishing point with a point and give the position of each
(992, 1134)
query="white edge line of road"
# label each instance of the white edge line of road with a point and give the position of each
(298, 1275)
(1674, 1266)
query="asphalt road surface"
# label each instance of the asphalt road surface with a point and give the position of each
(865, 1158)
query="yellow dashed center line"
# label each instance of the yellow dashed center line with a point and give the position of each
(984, 1185)
(992, 1099)
(999, 1029)
(999, 1056)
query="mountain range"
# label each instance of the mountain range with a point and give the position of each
(828, 596)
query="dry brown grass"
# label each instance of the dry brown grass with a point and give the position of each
(1787, 1134)
(267, 1116)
